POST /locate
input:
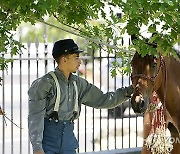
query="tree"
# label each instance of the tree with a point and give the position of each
(79, 14)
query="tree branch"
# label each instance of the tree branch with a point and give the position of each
(85, 37)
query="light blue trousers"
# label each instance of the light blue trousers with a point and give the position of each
(59, 138)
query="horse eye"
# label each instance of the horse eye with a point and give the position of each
(154, 65)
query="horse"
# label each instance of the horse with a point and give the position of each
(161, 75)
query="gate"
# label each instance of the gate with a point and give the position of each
(96, 129)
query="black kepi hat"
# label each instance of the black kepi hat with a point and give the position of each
(66, 46)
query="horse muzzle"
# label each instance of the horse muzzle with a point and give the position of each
(139, 105)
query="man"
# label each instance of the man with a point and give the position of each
(50, 130)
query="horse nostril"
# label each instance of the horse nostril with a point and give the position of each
(142, 104)
(137, 88)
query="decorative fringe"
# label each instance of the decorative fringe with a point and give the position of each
(157, 141)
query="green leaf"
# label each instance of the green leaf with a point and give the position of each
(152, 28)
(90, 18)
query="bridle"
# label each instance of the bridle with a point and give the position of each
(152, 79)
(162, 67)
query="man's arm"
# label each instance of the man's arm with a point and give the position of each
(38, 94)
(36, 123)
(92, 96)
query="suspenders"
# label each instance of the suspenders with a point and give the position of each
(76, 101)
(76, 108)
(58, 93)
(54, 114)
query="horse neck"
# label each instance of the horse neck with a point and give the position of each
(170, 88)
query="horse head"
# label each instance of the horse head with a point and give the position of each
(146, 77)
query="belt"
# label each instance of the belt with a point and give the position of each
(54, 116)
(59, 121)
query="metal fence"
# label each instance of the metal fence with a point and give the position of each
(95, 130)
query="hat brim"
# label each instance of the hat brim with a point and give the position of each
(77, 51)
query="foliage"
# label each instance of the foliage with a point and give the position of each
(158, 16)
(41, 31)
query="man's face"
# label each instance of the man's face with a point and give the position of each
(73, 62)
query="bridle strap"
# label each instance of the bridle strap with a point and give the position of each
(165, 86)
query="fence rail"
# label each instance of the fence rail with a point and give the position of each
(96, 129)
